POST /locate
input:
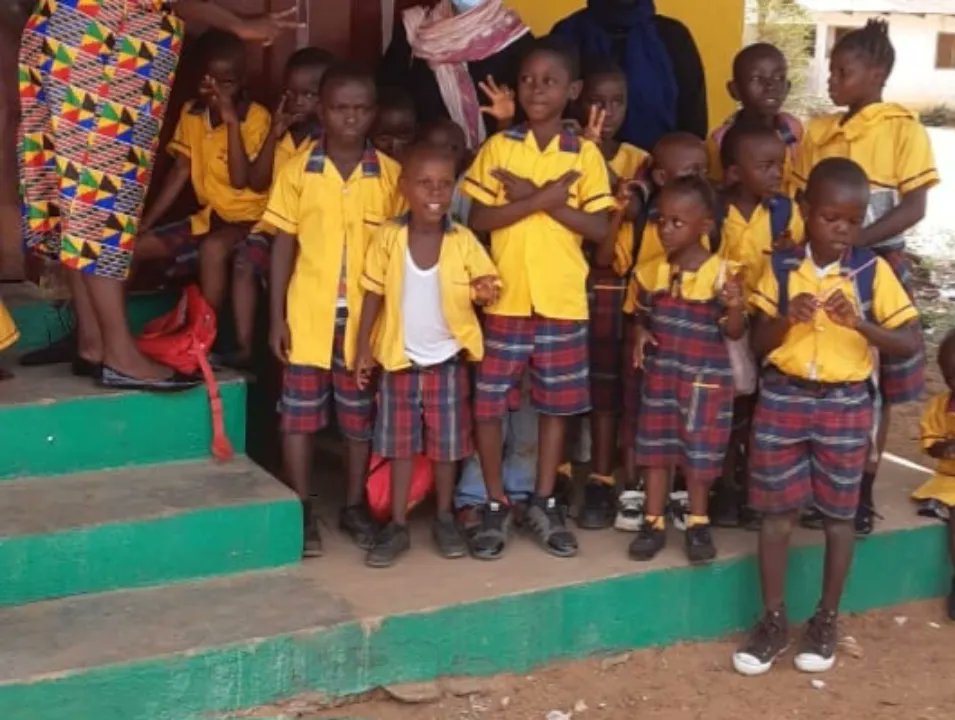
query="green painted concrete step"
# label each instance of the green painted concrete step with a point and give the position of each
(42, 320)
(203, 650)
(53, 423)
(92, 532)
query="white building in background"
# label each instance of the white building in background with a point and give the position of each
(922, 31)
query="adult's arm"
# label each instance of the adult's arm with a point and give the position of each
(691, 110)
(262, 28)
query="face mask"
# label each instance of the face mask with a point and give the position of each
(463, 6)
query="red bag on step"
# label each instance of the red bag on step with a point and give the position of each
(181, 339)
(378, 486)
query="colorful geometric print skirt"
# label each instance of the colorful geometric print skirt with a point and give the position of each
(94, 81)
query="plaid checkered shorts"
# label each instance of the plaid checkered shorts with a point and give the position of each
(425, 409)
(809, 447)
(555, 352)
(606, 295)
(902, 380)
(182, 244)
(308, 394)
(254, 251)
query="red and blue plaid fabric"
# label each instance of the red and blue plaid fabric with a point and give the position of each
(255, 251)
(901, 380)
(555, 352)
(308, 393)
(686, 403)
(182, 244)
(606, 291)
(809, 446)
(425, 410)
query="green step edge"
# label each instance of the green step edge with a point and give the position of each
(508, 634)
(115, 430)
(40, 322)
(151, 551)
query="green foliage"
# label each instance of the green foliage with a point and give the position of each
(939, 116)
(788, 26)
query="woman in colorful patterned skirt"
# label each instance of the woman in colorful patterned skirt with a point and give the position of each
(94, 80)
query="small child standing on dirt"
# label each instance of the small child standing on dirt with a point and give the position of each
(895, 152)
(422, 277)
(938, 441)
(820, 310)
(687, 305)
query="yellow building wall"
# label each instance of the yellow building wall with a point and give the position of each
(717, 27)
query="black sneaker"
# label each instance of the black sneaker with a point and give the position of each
(312, 546)
(812, 519)
(817, 652)
(447, 536)
(598, 509)
(951, 602)
(648, 543)
(865, 520)
(546, 520)
(356, 522)
(487, 541)
(766, 642)
(699, 544)
(390, 544)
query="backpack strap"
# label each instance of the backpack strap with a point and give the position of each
(861, 266)
(647, 213)
(783, 263)
(780, 215)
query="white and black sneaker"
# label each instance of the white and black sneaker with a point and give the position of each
(766, 642)
(817, 652)
(630, 510)
(679, 509)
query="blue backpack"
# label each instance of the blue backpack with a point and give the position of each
(860, 265)
(780, 216)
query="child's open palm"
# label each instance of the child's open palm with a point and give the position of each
(501, 98)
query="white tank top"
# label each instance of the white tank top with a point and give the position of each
(428, 340)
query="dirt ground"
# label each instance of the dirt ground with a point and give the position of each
(894, 663)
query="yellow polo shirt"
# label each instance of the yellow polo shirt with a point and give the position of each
(285, 150)
(938, 425)
(886, 139)
(541, 262)
(822, 350)
(750, 242)
(8, 329)
(700, 285)
(626, 164)
(334, 220)
(207, 148)
(462, 259)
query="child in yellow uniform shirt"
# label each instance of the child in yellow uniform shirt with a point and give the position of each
(891, 145)
(820, 309)
(294, 126)
(217, 137)
(757, 218)
(603, 103)
(422, 276)
(540, 191)
(938, 441)
(326, 204)
(760, 85)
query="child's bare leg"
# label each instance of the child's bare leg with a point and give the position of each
(394, 540)
(120, 353)
(149, 247)
(359, 452)
(603, 432)
(840, 542)
(551, 431)
(488, 437)
(298, 449)
(774, 537)
(400, 489)
(245, 295)
(89, 337)
(699, 493)
(444, 473)
(215, 252)
(658, 480)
